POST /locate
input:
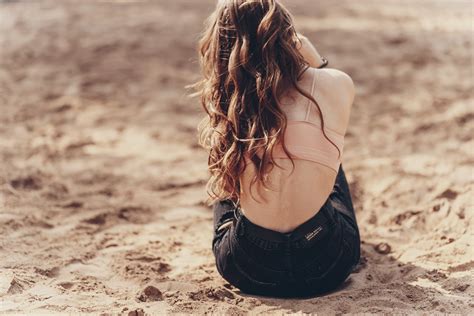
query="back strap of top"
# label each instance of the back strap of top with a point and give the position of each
(308, 106)
(306, 141)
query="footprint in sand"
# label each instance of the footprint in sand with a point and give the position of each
(48, 272)
(66, 285)
(73, 204)
(215, 294)
(135, 214)
(28, 183)
(150, 294)
(136, 312)
(399, 219)
(99, 219)
(131, 214)
(448, 194)
(18, 285)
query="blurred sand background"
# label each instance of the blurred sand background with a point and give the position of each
(102, 183)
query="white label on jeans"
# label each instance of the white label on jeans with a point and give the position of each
(312, 234)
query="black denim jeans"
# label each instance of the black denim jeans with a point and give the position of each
(313, 259)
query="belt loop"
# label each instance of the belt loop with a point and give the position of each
(241, 227)
(236, 214)
(236, 204)
(330, 212)
(239, 222)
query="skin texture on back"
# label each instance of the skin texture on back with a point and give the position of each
(295, 197)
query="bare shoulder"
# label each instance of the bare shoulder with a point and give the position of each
(335, 91)
(337, 84)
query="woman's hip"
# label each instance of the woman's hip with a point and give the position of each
(313, 258)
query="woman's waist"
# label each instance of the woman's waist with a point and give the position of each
(305, 234)
(290, 196)
(282, 212)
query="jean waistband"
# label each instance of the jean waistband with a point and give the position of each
(308, 230)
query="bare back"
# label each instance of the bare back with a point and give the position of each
(296, 197)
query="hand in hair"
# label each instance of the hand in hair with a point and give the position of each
(309, 52)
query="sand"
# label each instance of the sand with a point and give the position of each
(102, 183)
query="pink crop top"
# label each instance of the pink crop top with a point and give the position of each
(305, 140)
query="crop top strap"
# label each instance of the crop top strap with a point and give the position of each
(308, 107)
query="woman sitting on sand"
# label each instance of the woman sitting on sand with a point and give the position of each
(277, 120)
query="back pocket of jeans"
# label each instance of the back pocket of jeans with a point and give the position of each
(225, 262)
(252, 280)
(250, 270)
(319, 266)
(326, 258)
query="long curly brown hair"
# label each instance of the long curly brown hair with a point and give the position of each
(249, 56)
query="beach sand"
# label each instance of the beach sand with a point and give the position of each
(102, 181)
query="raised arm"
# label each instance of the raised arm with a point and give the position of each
(309, 52)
